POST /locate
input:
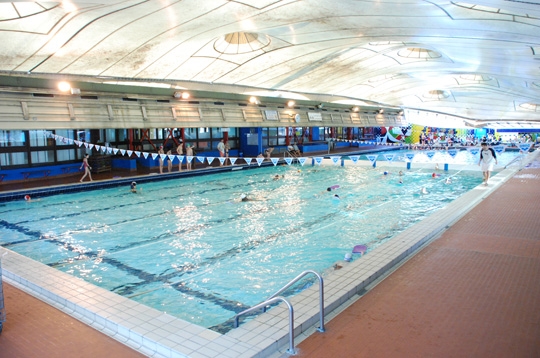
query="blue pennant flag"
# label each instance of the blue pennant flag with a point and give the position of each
(275, 161)
(302, 160)
(430, 154)
(233, 160)
(499, 148)
(259, 161)
(247, 160)
(410, 156)
(525, 146)
(335, 160)
(389, 157)
(211, 159)
(318, 160)
(474, 151)
(288, 160)
(452, 152)
(354, 158)
(372, 157)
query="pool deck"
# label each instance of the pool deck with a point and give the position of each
(463, 282)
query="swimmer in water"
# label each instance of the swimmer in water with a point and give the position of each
(133, 187)
(448, 181)
(424, 190)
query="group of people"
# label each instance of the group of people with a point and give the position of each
(179, 151)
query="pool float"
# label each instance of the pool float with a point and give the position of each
(359, 249)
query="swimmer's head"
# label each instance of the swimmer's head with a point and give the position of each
(133, 183)
(348, 257)
(243, 196)
(27, 197)
(385, 173)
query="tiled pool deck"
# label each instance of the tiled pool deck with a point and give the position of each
(157, 334)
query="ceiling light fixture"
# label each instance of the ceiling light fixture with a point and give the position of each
(355, 109)
(64, 86)
(291, 103)
(181, 95)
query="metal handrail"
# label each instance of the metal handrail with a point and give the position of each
(291, 349)
(321, 294)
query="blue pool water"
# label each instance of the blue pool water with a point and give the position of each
(190, 248)
(440, 157)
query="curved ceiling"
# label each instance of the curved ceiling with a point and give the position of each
(479, 62)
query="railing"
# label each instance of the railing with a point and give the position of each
(275, 297)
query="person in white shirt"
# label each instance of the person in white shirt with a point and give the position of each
(487, 161)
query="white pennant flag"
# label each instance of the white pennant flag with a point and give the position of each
(115, 150)
(98, 147)
(474, 151)
(409, 156)
(123, 151)
(318, 160)
(137, 153)
(90, 145)
(154, 155)
(129, 152)
(145, 154)
(222, 160)
(248, 161)
(201, 159)
(233, 160)
(189, 158)
(211, 159)
(171, 157)
(180, 158)
(70, 141)
(163, 156)
(274, 160)
(372, 158)
(354, 158)
(259, 161)
(109, 150)
(430, 154)
(302, 160)
(335, 160)
(288, 160)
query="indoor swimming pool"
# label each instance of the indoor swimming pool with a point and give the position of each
(192, 248)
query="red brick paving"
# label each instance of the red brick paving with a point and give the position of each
(474, 292)
(35, 329)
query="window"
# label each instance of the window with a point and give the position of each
(43, 156)
(8, 159)
(12, 138)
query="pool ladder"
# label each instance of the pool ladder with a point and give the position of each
(275, 298)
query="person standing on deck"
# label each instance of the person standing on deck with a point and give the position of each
(87, 168)
(488, 159)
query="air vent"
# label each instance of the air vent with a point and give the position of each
(89, 97)
(48, 95)
(262, 105)
(163, 101)
(193, 102)
(219, 103)
(242, 104)
(129, 99)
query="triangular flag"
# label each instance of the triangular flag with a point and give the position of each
(171, 157)
(109, 150)
(302, 160)
(389, 157)
(452, 152)
(123, 151)
(354, 158)
(499, 148)
(211, 159)
(115, 150)
(200, 159)
(259, 161)
(180, 158)
(154, 155)
(430, 154)
(248, 161)
(318, 160)
(335, 160)
(90, 145)
(189, 158)
(233, 160)
(372, 157)
(145, 154)
(474, 151)
(222, 160)
(525, 147)
(409, 156)
(98, 147)
(163, 156)
(288, 160)
(129, 152)
(274, 160)
(137, 153)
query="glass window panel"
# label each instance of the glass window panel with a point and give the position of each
(83, 135)
(8, 159)
(65, 155)
(110, 135)
(44, 156)
(122, 135)
(204, 133)
(64, 134)
(12, 138)
(217, 133)
(233, 132)
(233, 143)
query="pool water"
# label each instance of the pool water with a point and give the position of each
(191, 248)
